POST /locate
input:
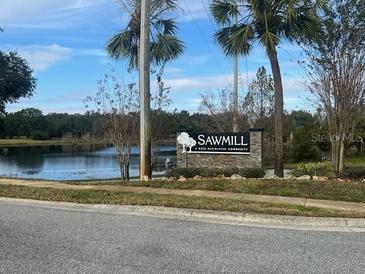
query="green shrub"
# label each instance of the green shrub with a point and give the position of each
(251, 172)
(186, 172)
(314, 169)
(303, 147)
(40, 135)
(353, 173)
(190, 172)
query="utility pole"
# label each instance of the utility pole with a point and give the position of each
(144, 89)
(235, 88)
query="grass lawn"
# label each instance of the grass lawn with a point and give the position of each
(152, 199)
(355, 161)
(330, 190)
(350, 161)
(30, 142)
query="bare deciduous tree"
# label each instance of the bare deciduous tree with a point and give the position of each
(220, 107)
(119, 106)
(341, 93)
(337, 71)
(160, 103)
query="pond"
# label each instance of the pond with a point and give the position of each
(72, 162)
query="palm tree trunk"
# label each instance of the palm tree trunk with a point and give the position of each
(235, 88)
(279, 108)
(235, 95)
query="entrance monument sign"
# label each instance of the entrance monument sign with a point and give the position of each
(220, 150)
(216, 143)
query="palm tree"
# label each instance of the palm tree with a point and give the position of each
(161, 46)
(164, 45)
(266, 22)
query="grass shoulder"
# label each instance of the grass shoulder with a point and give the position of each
(153, 199)
(350, 191)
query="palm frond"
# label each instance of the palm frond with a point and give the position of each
(242, 38)
(223, 38)
(163, 4)
(123, 45)
(132, 57)
(224, 11)
(235, 40)
(119, 45)
(303, 25)
(259, 6)
(269, 40)
(265, 20)
(166, 48)
(166, 26)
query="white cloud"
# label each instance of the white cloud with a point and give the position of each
(196, 60)
(192, 10)
(204, 83)
(11, 9)
(45, 14)
(90, 52)
(41, 58)
(62, 14)
(198, 83)
(191, 105)
(293, 86)
(184, 63)
(173, 72)
(70, 101)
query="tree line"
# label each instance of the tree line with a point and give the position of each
(306, 135)
(32, 123)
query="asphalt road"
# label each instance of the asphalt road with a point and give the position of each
(41, 240)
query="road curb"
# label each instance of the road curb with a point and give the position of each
(210, 216)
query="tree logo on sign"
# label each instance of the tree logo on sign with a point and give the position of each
(186, 141)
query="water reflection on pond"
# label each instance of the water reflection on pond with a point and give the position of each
(73, 162)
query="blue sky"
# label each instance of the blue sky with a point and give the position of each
(64, 40)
